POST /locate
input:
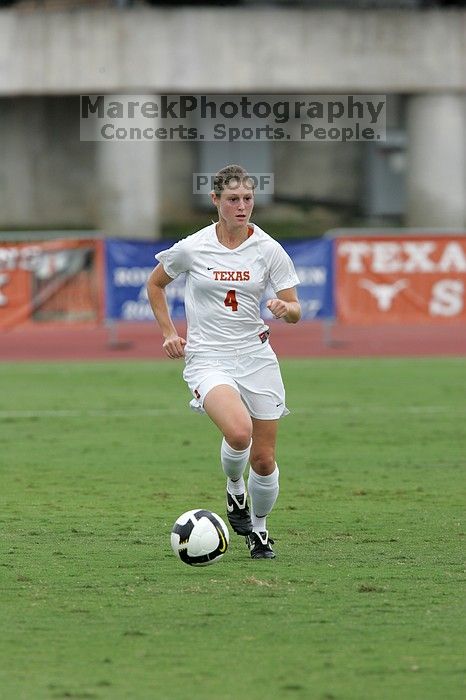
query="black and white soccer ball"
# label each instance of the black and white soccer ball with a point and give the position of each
(199, 537)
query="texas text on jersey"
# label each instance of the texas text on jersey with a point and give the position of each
(224, 287)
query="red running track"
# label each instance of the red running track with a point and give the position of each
(308, 339)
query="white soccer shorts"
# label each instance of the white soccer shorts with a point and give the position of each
(256, 376)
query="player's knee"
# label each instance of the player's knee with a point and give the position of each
(263, 462)
(239, 437)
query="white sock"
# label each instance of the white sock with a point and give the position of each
(234, 463)
(263, 492)
(236, 488)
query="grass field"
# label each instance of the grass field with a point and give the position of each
(364, 601)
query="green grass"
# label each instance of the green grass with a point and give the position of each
(364, 600)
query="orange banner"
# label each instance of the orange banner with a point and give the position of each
(404, 280)
(56, 280)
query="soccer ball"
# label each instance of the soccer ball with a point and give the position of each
(199, 537)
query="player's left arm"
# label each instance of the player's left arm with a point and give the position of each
(286, 305)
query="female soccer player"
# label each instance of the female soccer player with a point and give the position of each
(230, 367)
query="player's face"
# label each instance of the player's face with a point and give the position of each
(235, 205)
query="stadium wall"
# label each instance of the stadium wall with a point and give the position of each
(127, 51)
(49, 178)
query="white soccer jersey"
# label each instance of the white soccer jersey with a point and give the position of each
(224, 287)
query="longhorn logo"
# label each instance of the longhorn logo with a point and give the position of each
(384, 293)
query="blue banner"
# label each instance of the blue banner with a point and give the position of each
(313, 260)
(128, 264)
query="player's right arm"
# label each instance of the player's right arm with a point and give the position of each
(158, 280)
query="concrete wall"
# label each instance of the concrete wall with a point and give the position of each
(221, 50)
(48, 178)
(46, 172)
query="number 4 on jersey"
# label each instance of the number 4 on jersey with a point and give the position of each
(230, 300)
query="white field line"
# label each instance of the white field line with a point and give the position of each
(154, 412)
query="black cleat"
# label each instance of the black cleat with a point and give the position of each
(238, 514)
(259, 545)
